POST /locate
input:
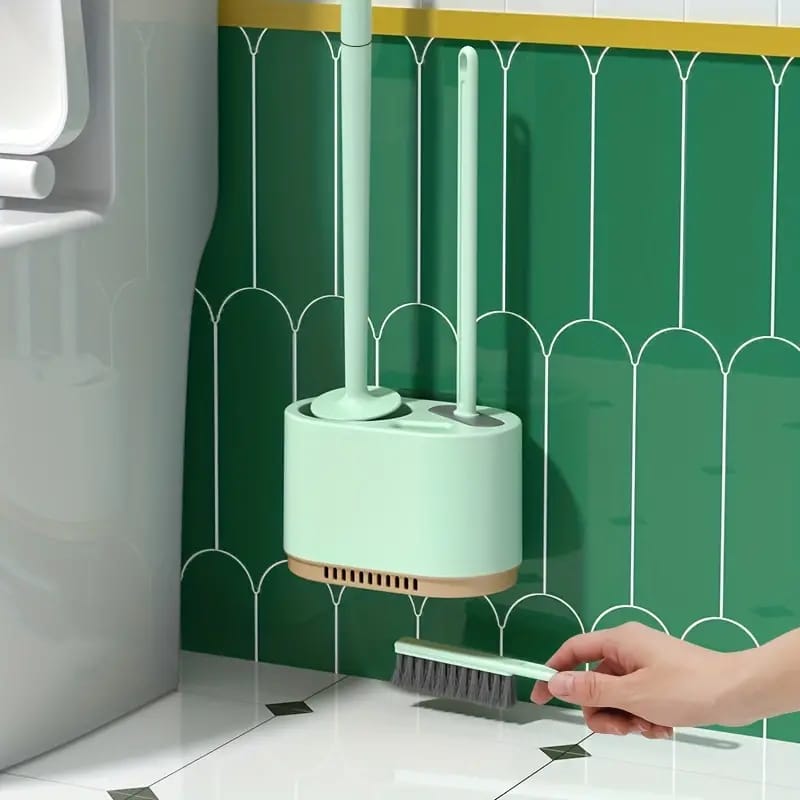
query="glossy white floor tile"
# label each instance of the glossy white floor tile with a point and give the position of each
(352, 739)
(366, 739)
(13, 788)
(248, 682)
(148, 744)
(722, 755)
(603, 779)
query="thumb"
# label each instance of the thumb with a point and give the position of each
(589, 689)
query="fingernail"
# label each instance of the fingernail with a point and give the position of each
(561, 684)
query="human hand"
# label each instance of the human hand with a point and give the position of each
(645, 682)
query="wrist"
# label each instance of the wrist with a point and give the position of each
(743, 691)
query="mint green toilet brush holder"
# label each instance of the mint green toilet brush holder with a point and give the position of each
(420, 503)
(398, 494)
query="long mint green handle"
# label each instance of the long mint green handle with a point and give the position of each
(356, 23)
(467, 249)
(356, 133)
(356, 401)
(472, 659)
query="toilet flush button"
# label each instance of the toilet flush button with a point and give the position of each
(31, 178)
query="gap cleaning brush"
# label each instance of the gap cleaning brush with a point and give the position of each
(457, 673)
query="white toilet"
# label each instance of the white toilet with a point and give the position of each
(108, 186)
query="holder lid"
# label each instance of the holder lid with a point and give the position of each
(44, 83)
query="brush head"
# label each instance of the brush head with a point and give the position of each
(343, 405)
(438, 679)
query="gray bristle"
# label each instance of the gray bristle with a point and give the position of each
(435, 679)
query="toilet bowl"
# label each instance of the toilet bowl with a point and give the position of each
(108, 186)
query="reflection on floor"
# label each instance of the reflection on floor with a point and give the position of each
(238, 730)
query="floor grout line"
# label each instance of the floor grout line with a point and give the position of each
(22, 776)
(244, 733)
(214, 750)
(537, 771)
(50, 780)
(339, 679)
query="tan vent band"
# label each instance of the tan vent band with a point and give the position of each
(403, 584)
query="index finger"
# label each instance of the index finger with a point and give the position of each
(585, 648)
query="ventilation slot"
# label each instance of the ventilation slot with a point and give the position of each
(363, 577)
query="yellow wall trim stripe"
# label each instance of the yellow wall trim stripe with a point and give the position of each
(534, 28)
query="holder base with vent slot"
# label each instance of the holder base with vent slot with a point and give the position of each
(417, 503)
(404, 584)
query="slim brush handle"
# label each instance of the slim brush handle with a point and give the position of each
(356, 133)
(467, 253)
(472, 659)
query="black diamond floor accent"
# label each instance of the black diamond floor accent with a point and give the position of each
(142, 793)
(287, 709)
(565, 751)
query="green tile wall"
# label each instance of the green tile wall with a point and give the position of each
(640, 308)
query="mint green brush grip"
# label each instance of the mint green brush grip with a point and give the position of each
(472, 659)
(356, 142)
(467, 248)
(356, 401)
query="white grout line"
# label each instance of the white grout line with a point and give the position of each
(593, 71)
(336, 53)
(634, 425)
(777, 81)
(545, 470)
(419, 60)
(256, 634)
(684, 78)
(215, 373)
(253, 49)
(723, 494)
(505, 66)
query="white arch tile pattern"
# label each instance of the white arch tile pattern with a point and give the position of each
(378, 328)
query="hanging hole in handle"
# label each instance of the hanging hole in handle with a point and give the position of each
(467, 57)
